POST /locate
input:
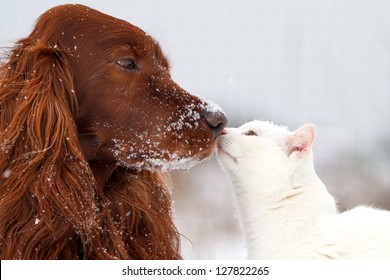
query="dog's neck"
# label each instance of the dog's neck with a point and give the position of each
(102, 172)
(101, 169)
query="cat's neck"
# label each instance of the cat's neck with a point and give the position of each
(272, 197)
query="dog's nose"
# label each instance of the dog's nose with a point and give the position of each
(216, 120)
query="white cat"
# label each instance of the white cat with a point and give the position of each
(286, 211)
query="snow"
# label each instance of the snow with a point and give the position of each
(7, 173)
(153, 158)
(210, 106)
(173, 164)
(189, 118)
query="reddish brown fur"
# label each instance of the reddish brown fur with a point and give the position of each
(79, 133)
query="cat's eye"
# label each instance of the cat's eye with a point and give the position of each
(127, 64)
(250, 133)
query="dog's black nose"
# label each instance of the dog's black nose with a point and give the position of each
(216, 121)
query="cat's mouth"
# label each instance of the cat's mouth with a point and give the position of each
(222, 152)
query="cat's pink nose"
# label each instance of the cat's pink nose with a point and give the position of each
(223, 132)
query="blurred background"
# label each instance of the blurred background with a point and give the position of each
(288, 61)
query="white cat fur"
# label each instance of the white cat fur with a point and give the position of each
(286, 211)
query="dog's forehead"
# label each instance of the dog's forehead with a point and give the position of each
(91, 29)
(79, 21)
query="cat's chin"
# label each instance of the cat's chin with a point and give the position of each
(228, 161)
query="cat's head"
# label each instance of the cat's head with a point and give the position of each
(260, 148)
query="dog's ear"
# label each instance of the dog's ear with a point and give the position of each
(39, 148)
(301, 139)
(39, 93)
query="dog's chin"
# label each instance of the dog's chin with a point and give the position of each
(162, 164)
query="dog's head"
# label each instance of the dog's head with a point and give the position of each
(129, 109)
(84, 86)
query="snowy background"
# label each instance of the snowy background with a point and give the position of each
(289, 61)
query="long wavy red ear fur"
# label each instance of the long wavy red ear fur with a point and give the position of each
(45, 182)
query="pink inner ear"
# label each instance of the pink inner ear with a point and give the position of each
(301, 139)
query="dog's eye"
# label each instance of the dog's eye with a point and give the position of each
(250, 133)
(127, 63)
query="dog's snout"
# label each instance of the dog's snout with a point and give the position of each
(216, 121)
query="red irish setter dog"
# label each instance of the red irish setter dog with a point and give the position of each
(89, 120)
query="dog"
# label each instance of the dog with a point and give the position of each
(90, 122)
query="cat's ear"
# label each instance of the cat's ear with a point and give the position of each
(301, 139)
